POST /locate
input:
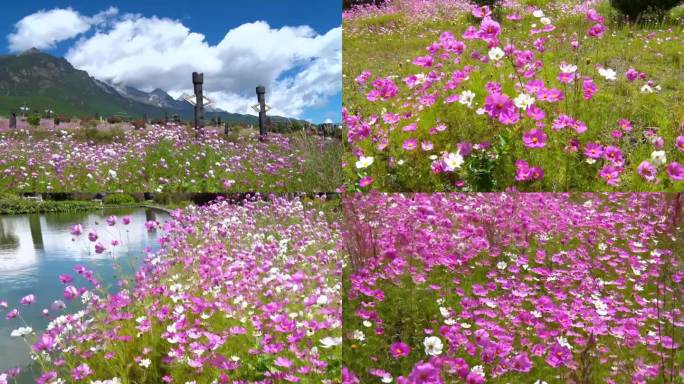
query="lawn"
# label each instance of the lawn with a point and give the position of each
(532, 95)
(513, 288)
(166, 159)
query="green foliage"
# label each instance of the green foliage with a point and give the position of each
(635, 9)
(119, 199)
(13, 205)
(481, 3)
(115, 119)
(33, 120)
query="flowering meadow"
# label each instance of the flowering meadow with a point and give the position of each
(533, 95)
(237, 293)
(514, 288)
(166, 158)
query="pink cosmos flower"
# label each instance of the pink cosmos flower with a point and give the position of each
(65, 279)
(647, 170)
(559, 355)
(535, 112)
(597, 30)
(126, 220)
(76, 229)
(365, 181)
(424, 373)
(631, 74)
(675, 171)
(481, 12)
(99, 248)
(535, 138)
(593, 150)
(12, 314)
(363, 77)
(625, 124)
(614, 155)
(410, 144)
(92, 235)
(489, 29)
(400, 349)
(28, 299)
(497, 103)
(589, 88)
(70, 292)
(81, 372)
(111, 220)
(679, 143)
(383, 89)
(611, 174)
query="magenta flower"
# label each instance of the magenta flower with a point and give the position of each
(679, 143)
(631, 74)
(625, 124)
(593, 150)
(534, 138)
(400, 349)
(675, 171)
(425, 373)
(28, 299)
(363, 77)
(365, 181)
(611, 174)
(489, 29)
(65, 279)
(76, 229)
(535, 112)
(410, 144)
(126, 220)
(99, 248)
(47, 377)
(383, 89)
(92, 235)
(150, 225)
(597, 30)
(283, 362)
(81, 372)
(559, 355)
(12, 314)
(481, 12)
(111, 220)
(589, 88)
(522, 363)
(647, 170)
(614, 155)
(497, 103)
(70, 292)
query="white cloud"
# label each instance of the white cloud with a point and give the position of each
(44, 29)
(328, 121)
(299, 67)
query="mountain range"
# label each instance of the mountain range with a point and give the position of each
(43, 81)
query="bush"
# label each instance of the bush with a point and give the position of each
(634, 9)
(114, 119)
(348, 4)
(119, 199)
(481, 3)
(34, 120)
(138, 124)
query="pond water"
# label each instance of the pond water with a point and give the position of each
(35, 249)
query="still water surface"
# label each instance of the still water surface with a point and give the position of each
(35, 249)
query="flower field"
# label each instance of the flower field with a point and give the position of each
(514, 288)
(237, 293)
(166, 158)
(531, 94)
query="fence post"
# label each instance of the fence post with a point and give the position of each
(261, 98)
(197, 81)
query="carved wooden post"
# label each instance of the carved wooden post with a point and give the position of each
(198, 80)
(13, 120)
(261, 98)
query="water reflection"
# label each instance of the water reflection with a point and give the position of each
(35, 249)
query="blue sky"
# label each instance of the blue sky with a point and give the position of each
(213, 19)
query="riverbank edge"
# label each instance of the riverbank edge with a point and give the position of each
(22, 206)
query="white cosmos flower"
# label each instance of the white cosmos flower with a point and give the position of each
(329, 342)
(538, 13)
(540, 382)
(523, 101)
(568, 68)
(501, 265)
(112, 174)
(145, 363)
(563, 342)
(658, 157)
(364, 162)
(545, 20)
(646, 89)
(608, 74)
(322, 300)
(496, 53)
(387, 379)
(444, 311)
(433, 346)
(452, 161)
(358, 335)
(466, 98)
(21, 332)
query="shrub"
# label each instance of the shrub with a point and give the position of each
(138, 124)
(114, 119)
(481, 3)
(34, 120)
(118, 199)
(634, 9)
(348, 4)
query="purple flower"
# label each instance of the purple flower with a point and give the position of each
(522, 363)
(534, 138)
(400, 349)
(559, 355)
(28, 299)
(76, 229)
(99, 248)
(679, 143)
(111, 220)
(81, 372)
(410, 145)
(647, 170)
(365, 181)
(92, 235)
(631, 74)
(675, 171)
(425, 373)
(611, 174)
(593, 150)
